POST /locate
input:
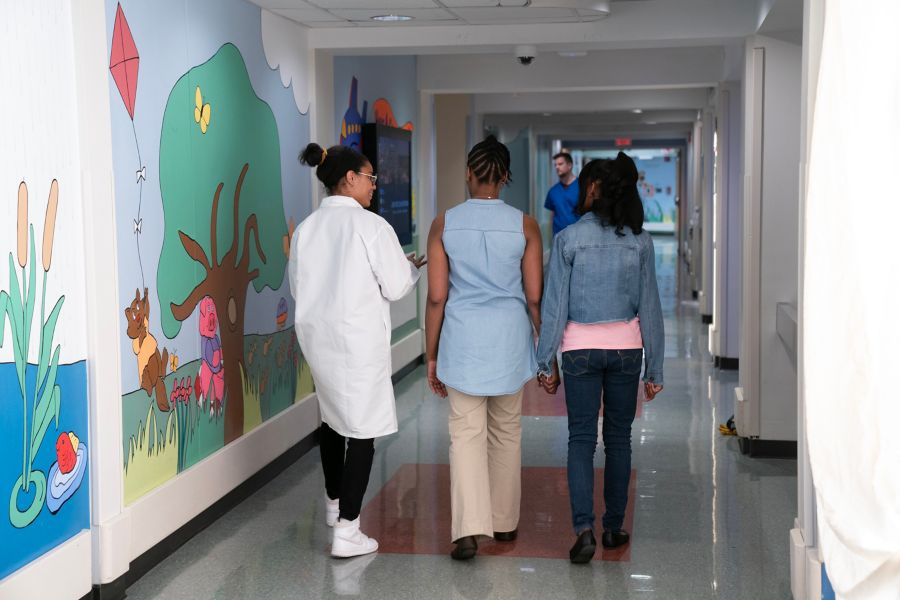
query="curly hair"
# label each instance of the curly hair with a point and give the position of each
(619, 204)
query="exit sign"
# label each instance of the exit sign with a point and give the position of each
(623, 142)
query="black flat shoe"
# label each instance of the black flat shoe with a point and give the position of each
(466, 547)
(614, 539)
(506, 536)
(584, 548)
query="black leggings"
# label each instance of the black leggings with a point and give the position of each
(346, 474)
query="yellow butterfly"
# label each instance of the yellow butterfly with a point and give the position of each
(201, 111)
(173, 358)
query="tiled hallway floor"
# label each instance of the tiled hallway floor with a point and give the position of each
(708, 522)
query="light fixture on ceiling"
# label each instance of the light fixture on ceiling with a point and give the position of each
(573, 54)
(391, 18)
(601, 7)
(650, 122)
(636, 111)
(546, 114)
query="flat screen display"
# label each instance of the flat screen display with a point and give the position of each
(390, 153)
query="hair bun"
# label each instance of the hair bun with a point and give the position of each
(626, 168)
(313, 155)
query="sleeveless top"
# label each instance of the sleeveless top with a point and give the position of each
(487, 343)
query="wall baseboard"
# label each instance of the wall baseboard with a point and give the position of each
(757, 448)
(63, 572)
(726, 363)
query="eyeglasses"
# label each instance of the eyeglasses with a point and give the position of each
(374, 178)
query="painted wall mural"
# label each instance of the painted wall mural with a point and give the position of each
(44, 429)
(352, 122)
(208, 349)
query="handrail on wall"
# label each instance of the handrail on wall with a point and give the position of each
(786, 327)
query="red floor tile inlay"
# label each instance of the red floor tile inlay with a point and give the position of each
(411, 515)
(538, 403)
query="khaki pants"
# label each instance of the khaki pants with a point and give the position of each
(485, 463)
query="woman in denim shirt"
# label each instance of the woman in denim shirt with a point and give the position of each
(602, 309)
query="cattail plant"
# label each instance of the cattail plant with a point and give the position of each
(17, 306)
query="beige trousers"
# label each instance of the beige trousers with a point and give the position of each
(485, 463)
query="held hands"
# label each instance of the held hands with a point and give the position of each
(550, 383)
(418, 261)
(434, 383)
(651, 390)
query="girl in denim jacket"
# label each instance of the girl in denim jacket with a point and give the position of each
(602, 309)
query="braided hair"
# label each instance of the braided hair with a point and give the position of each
(332, 164)
(489, 161)
(619, 204)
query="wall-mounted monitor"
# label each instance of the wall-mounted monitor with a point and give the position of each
(389, 149)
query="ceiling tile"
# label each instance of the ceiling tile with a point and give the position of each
(440, 23)
(466, 3)
(420, 14)
(305, 15)
(376, 4)
(273, 4)
(329, 24)
(516, 15)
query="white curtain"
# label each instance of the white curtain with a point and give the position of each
(851, 313)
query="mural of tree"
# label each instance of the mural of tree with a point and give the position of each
(219, 141)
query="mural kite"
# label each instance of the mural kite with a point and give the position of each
(124, 61)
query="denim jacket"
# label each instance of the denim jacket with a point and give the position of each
(597, 276)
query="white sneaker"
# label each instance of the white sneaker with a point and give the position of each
(348, 540)
(332, 511)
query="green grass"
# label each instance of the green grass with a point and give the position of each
(152, 456)
(252, 402)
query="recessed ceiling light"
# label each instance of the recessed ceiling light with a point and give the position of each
(636, 111)
(546, 114)
(650, 122)
(391, 18)
(573, 54)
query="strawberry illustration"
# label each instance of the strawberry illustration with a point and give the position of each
(65, 453)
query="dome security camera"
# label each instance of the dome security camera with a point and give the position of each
(525, 55)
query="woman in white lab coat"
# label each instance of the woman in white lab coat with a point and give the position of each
(346, 266)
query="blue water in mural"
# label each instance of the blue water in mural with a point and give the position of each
(72, 490)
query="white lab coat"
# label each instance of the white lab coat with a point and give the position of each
(345, 267)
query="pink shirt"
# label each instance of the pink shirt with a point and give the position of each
(620, 335)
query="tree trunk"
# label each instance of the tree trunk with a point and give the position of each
(231, 331)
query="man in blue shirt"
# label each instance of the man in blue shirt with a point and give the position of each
(563, 197)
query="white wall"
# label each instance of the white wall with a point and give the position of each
(607, 70)
(724, 334)
(771, 201)
(450, 114)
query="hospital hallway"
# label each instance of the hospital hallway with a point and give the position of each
(706, 521)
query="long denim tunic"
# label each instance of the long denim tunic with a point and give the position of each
(598, 276)
(487, 342)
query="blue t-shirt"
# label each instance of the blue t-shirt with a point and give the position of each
(562, 200)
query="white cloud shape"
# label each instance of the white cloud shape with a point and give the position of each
(286, 48)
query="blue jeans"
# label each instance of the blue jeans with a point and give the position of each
(587, 373)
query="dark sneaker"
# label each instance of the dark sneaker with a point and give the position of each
(466, 547)
(584, 548)
(614, 539)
